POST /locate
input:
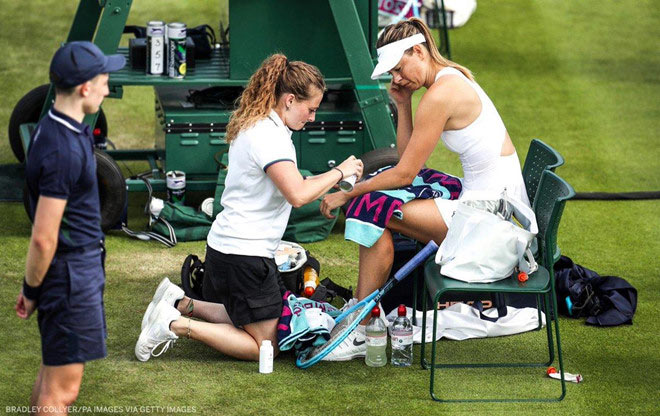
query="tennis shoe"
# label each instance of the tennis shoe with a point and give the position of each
(157, 333)
(167, 291)
(351, 302)
(354, 346)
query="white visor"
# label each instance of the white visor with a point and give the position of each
(390, 54)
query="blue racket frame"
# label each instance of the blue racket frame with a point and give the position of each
(313, 356)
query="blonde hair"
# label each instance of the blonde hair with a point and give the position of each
(406, 28)
(275, 76)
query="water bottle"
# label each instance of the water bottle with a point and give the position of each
(376, 340)
(266, 357)
(310, 281)
(402, 339)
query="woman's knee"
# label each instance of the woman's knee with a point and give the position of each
(384, 246)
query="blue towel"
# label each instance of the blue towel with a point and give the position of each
(367, 215)
(293, 330)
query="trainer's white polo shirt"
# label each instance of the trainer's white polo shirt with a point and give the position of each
(255, 212)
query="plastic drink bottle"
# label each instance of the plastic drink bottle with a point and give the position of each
(376, 340)
(310, 281)
(402, 339)
(266, 357)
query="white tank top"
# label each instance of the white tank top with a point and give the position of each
(479, 146)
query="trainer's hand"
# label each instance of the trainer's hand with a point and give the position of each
(24, 306)
(351, 166)
(332, 201)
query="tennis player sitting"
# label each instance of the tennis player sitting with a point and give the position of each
(454, 108)
(263, 183)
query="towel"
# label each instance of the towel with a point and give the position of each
(304, 323)
(367, 215)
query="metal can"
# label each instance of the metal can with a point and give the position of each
(155, 47)
(176, 50)
(176, 186)
(347, 184)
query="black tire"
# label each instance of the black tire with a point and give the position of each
(379, 158)
(112, 191)
(394, 112)
(28, 110)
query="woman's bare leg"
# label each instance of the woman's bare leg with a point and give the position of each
(208, 311)
(226, 338)
(421, 221)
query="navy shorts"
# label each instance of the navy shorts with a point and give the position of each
(248, 286)
(71, 313)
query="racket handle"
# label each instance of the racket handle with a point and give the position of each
(429, 249)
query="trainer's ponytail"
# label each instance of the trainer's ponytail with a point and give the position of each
(275, 76)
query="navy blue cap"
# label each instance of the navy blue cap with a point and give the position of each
(77, 62)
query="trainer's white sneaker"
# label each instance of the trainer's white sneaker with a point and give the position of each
(167, 291)
(354, 346)
(157, 332)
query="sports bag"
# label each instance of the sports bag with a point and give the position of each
(484, 244)
(170, 223)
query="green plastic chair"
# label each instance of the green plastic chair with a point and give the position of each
(553, 192)
(540, 157)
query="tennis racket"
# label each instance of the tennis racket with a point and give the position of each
(347, 321)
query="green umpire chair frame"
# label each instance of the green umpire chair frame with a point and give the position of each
(553, 192)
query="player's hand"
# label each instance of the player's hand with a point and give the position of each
(24, 306)
(400, 94)
(332, 201)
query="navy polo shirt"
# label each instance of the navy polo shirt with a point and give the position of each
(61, 164)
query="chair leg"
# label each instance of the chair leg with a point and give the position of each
(538, 309)
(415, 277)
(423, 361)
(548, 326)
(559, 355)
(436, 299)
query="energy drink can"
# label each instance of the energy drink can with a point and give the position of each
(176, 186)
(155, 47)
(176, 50)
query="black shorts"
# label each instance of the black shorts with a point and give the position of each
(70, 310)
(248, 286)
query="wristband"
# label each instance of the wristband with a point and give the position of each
(342, 173)
(32, 293)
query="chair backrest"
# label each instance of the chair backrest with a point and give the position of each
(549, 204)
(540, 157)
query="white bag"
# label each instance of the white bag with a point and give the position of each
(482, 247)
